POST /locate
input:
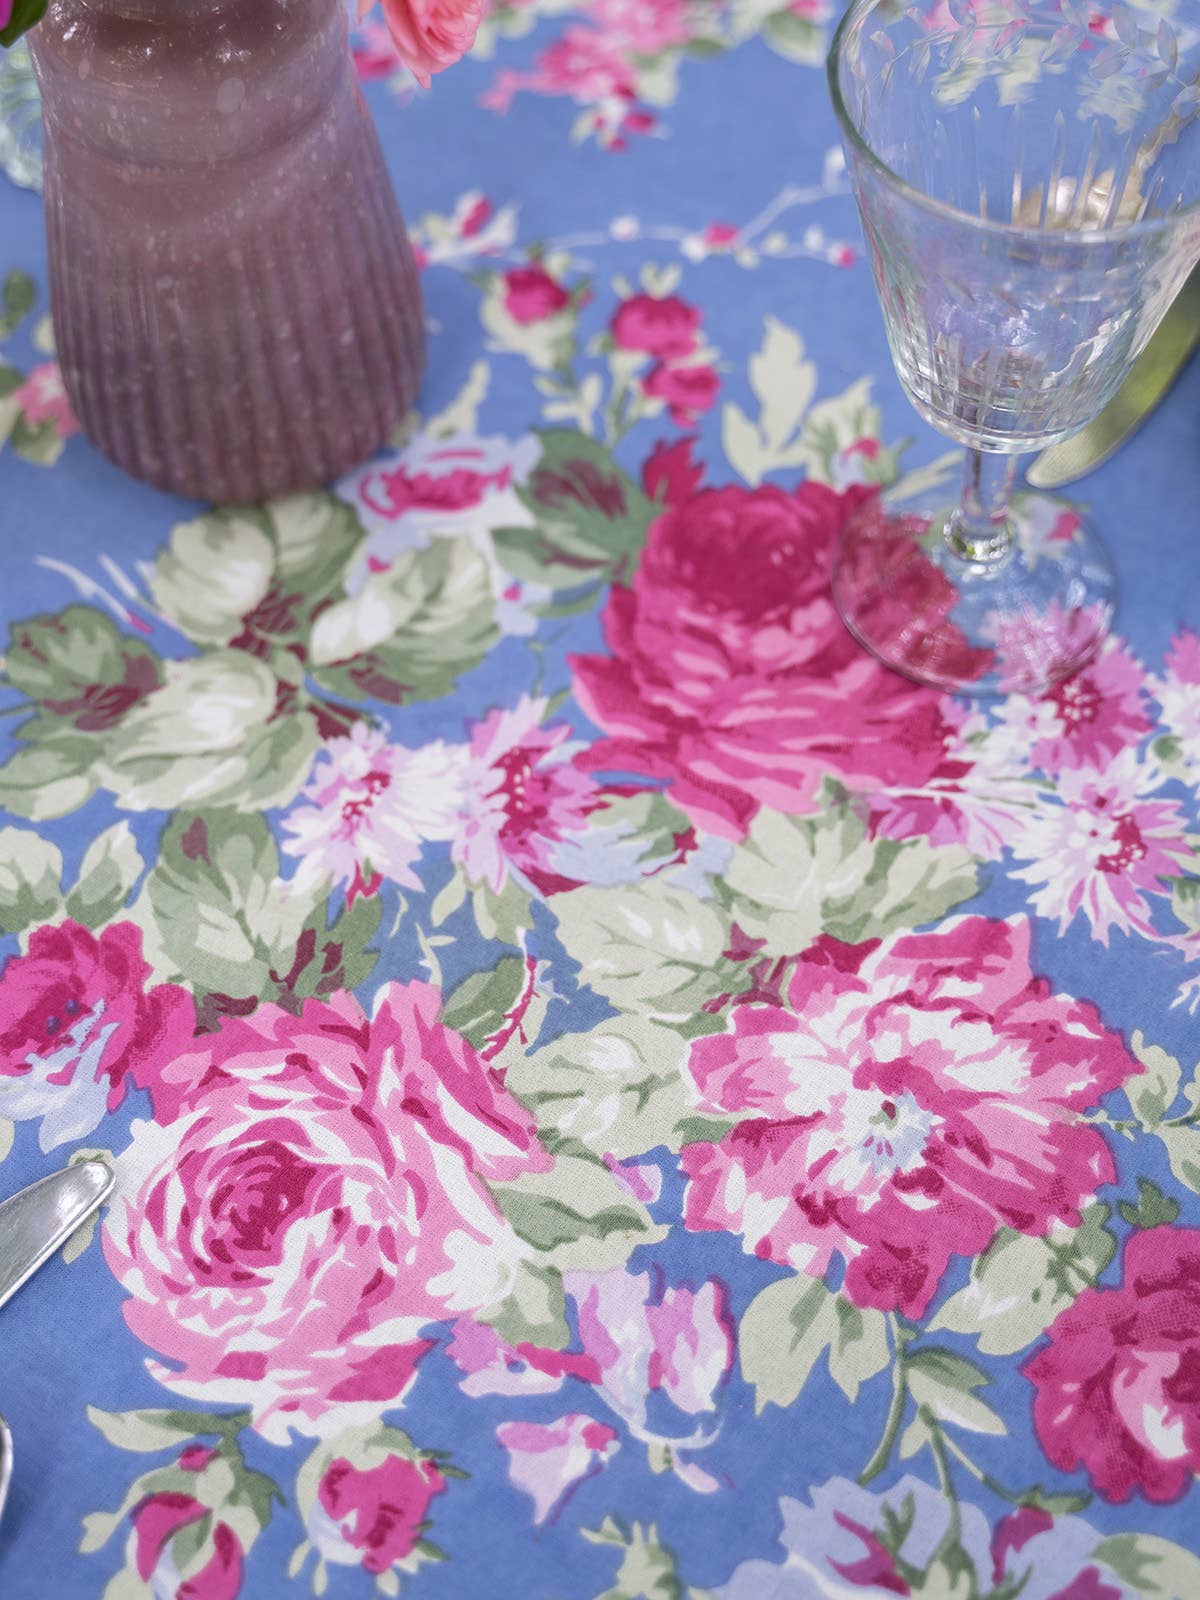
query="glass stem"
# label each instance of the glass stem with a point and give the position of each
(980, 529)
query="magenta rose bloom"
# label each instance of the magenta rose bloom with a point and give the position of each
(532, 295)
(320, 1199)
(733, 678)
(688, 391)
(1118, 1385)
(77, 1024)
(666, 329)
(372, 1516)
(920, 1093)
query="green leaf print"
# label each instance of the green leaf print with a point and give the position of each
(257, 572)
(647, 947)
(591, 518)
(794, 878)
(1019, 1285)
(110, 868)
(1156, 1568)
(411, 632)
(576, 1215)
(534, 1310)
(791, 1323)
(30, 879)
(215, 733)
(217, 915)
(621, 1089)
(18, 295)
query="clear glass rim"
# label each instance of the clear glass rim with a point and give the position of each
(1116, 234)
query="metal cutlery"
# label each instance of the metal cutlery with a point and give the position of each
(1160, 363)
(33, 1225)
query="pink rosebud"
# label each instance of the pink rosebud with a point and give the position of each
(155, 1524)
(477, 218)
(431, 35)
(6, 7)
(532, 295)
(719, 235)
(196, 1457)
(665, 329)
(687, 390)
(380, 1510)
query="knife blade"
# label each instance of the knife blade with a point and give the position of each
(1155, 370)
(35, 1222)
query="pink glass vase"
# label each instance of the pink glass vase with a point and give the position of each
(235, 301)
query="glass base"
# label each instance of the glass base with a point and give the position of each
(1020, 623)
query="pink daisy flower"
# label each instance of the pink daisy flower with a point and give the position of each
(1086, 720)
(522, 797)
(369, 806)
(1104, 849)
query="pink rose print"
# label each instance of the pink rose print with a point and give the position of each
(430, 35)
(447, 488)
(156, 1522)
(319, 1199)
(532, 295)
(1117, 1390)
(548, 1460)
(733, 678)
(688, 391)
(375, 53)
(1104, 848)
(1178, 693)
(667, 329)
(372, 1517)
(43, 398)
(637, 1338)
(848, 1540)
(523, 796)
(369, 806)
(919, 1093)
(78, 1025)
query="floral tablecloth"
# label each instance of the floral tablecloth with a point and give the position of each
(613, 1093)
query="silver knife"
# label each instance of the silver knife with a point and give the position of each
(1155, 370)
(38, 1220)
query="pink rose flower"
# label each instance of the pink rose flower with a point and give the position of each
(549, 1460)
(77, 1025)
(430, 35)
(523, 796)
(918, 1094)
(687, 390)
(6, 11)
(368, 808)
(376, 1513)
(732, 676)
(666, 328)
(156, 1522)
(1116, 1385)
(375, 55)
(320, 1198)
(532, 295)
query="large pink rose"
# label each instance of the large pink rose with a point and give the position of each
(77, 1023)
(1118, 1385)
(731, 674)
(321, 1198)
(430, 35)
(918, 1094)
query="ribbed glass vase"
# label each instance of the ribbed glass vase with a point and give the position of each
(236, 306)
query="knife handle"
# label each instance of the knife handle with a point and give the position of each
(38, 1220)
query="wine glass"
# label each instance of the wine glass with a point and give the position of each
(1028, 177)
